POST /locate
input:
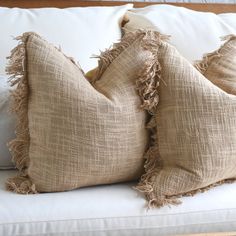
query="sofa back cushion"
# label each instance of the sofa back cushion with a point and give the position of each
(192, 32)
(80, 31)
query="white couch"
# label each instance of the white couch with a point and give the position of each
(109, 210)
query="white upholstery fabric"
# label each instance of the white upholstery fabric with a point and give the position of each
(81, 32)
(229, 18)
(193, 33)
(7, 124)
(113, 210)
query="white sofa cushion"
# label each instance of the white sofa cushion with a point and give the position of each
(80, 31)
(113, 210)
(7, 124)
(229, 18)
(192, 32)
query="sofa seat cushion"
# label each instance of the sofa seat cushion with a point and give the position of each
(113, 210)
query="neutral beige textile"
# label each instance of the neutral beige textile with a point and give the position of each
(79, 135)
(194, 126)
(220, 66)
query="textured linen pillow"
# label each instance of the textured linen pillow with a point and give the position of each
(193, 126)
(192, 32)
(72, 134)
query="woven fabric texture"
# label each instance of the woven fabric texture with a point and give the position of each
(220, 66)
(79, 134)
(194, 125)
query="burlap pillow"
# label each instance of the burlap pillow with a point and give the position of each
(220, 66)
(194, 125)
(72, 134)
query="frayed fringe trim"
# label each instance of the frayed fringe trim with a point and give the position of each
(202, 190)
(153, 166)
(202, 65)
(160, 201)
(20, 184)
(147, 85)
(16, 69)
(19, 147)
(108, 56)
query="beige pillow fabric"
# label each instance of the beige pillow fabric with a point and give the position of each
(72, 134)
(220, 66)
(194, 125)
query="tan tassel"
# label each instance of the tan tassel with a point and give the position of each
(20, 184)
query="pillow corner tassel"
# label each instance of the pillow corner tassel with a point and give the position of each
(20, 184)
